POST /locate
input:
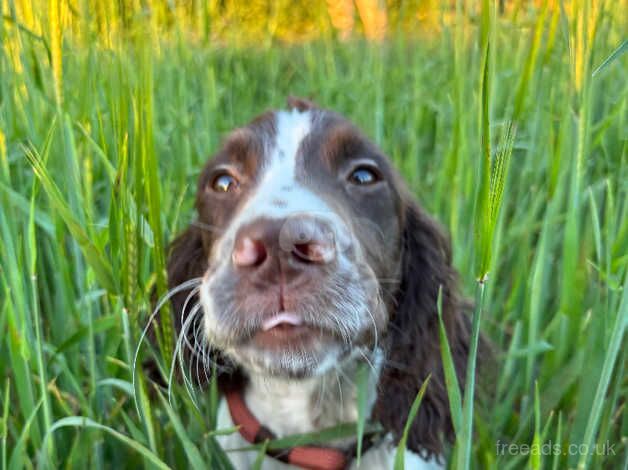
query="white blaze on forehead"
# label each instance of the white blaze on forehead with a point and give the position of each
(292, 128)
(278, 193)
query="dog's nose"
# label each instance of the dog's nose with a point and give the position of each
(298, 239)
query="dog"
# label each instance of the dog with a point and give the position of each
(311, 265)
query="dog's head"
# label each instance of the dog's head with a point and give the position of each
(309, 248)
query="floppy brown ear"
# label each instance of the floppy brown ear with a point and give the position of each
(188, 260)
(413, 348)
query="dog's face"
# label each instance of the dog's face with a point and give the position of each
(306, 223)
(309, 249)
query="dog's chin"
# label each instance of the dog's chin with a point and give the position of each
(289, 361)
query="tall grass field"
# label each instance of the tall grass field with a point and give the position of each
(508, 120)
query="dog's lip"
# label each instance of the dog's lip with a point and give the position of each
(282, 318)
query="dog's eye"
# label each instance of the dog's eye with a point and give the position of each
(363, 175)
(224, 182)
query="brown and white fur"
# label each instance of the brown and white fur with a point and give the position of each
(312, 257)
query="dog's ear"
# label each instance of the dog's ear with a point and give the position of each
(188, 259)
(301, 104)
(413, 348)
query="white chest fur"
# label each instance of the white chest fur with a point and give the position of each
(295, 407)
(380, 457)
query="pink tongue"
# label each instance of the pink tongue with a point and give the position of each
(283, 317)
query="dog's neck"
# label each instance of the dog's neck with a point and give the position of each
(288, 407)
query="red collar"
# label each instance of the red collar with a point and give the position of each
(306, 457)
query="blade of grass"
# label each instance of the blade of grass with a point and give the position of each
(152, 194)
(41, 370)
(414, 409)
(340, 431)
(616, 54)
(490, 195)
(464, 451)
(87, 423)
(451, 377)
(362, 384)
(4, 430)
(483, 236)
(614, 346)
(18, 456)
(94, 257)
(194, 458)
(535, 457)
(261, 456)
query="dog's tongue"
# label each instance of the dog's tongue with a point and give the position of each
(282, 317)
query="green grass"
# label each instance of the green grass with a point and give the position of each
(510, 128)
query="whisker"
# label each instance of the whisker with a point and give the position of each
(198, 352)
(368, 361)
(192, 293)
(348, 379)
(321, 393)
(175, 290)
(376, 341)
(380, 302)
(178, 355)
(206, 361)
(339, 388)
(200, 348)
(185, 339)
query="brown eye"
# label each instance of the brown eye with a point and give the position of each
(363, 176)
(224, 182)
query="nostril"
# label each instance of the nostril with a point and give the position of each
(302, 251)
(313, 252)
(249, 253)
